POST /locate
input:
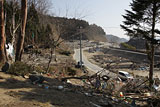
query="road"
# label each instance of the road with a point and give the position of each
(95, 68)
(87, 64)
(92, 66)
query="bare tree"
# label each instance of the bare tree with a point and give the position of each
(14, 1)
(42, 6)
(19, 49)
(55, 40)
(13, 28)
(2, 33)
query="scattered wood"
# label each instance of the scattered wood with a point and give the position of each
(95, 105)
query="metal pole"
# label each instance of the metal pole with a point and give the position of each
(81, 51)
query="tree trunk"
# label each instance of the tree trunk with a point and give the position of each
(50, 60)
(151, 67)
(19, 49)
(2, 33)
(152, 46)
(13, 29)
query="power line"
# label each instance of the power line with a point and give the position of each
(112, 27)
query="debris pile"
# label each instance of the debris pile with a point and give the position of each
(131, 92)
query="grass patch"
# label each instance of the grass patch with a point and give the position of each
(71, 71)
(19, 69)
(39, 69)
(125, 45)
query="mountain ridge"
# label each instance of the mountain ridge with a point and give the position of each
(115, 39)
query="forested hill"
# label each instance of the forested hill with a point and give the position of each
(94, 32)
(72, 28)
(138, 43)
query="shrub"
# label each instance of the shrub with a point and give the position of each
(124, 45)
(52, 69)
(38, 69)
(19, 69)
(67, 53)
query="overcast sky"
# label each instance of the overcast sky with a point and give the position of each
(104, 13)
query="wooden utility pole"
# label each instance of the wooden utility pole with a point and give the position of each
(80, 48)
(2, 33)
(81, 51)
(19, 49)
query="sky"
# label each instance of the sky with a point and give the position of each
(104, 13)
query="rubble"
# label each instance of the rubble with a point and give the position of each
(132, 92)
(109, 91)
(36, 79)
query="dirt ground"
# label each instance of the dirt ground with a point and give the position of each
(17, 91)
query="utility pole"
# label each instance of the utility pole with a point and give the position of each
(81, 51)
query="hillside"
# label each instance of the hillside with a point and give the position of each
(115, 39)
(138, 43)
(70, 29)
(94, 32)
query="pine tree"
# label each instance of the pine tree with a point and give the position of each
(33, 25)
(141, 22)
